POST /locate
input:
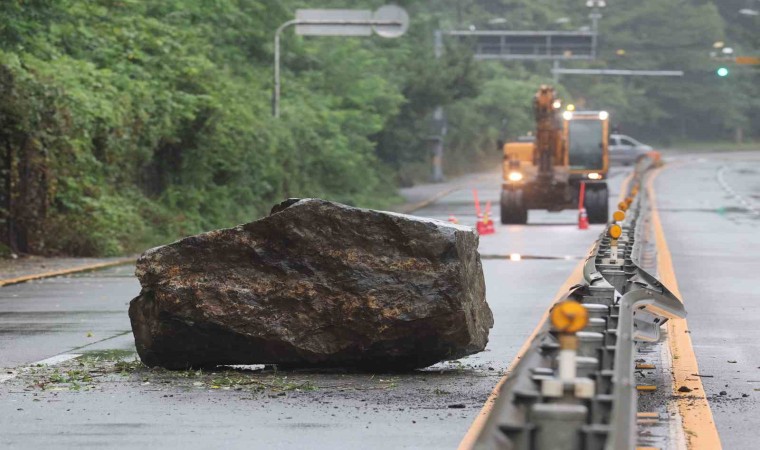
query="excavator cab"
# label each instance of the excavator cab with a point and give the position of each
(586, 136)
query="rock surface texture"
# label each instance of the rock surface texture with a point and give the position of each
(314, 284)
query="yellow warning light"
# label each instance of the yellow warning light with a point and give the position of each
(615, 231)
(571, 107)
(569, 317)
(623, 206)
(618, 216)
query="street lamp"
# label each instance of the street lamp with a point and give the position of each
(388, 21)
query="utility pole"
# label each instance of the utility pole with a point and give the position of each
(595, 15)
(439, 123)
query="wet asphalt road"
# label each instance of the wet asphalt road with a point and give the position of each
(710, 210)
(425, 409)
(44, 318)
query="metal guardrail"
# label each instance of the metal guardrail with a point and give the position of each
(540, 408)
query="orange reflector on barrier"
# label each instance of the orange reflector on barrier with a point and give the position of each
(615, 231)
(618, 216)
(569, 317)
(622, 206)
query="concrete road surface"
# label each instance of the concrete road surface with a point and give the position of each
(77, 404)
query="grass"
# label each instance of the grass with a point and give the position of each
(96, 370)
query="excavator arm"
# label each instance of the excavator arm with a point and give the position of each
(548, 149)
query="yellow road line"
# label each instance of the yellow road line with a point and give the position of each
(624, 187)
(412, 208)
(409, 209)
(69, 271)
(699, 426)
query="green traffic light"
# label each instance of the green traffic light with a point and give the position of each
(722, 72)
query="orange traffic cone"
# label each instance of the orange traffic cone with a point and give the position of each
(582, 219)
(489, 222)
(480, 225)
(484, 225)
(582, 215)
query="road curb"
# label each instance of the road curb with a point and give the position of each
(69, 271)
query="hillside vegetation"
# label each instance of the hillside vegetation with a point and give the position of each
(128, 123)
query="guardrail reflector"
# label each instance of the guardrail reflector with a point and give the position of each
(615, 231)
(569, 317)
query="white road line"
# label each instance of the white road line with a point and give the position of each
(750, 206)
(52, 361)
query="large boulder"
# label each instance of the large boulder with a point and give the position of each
(314, 284)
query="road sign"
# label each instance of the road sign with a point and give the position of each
(391, 13)
(620, 72)
(529, 45)
(334, 22)
(748, 60)
(388, 21)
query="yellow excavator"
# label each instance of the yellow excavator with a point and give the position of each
(569, 147)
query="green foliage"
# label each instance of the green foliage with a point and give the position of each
(126, 123)
(148, 122)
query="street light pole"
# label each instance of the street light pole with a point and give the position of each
(276, 91)
(281, 28)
